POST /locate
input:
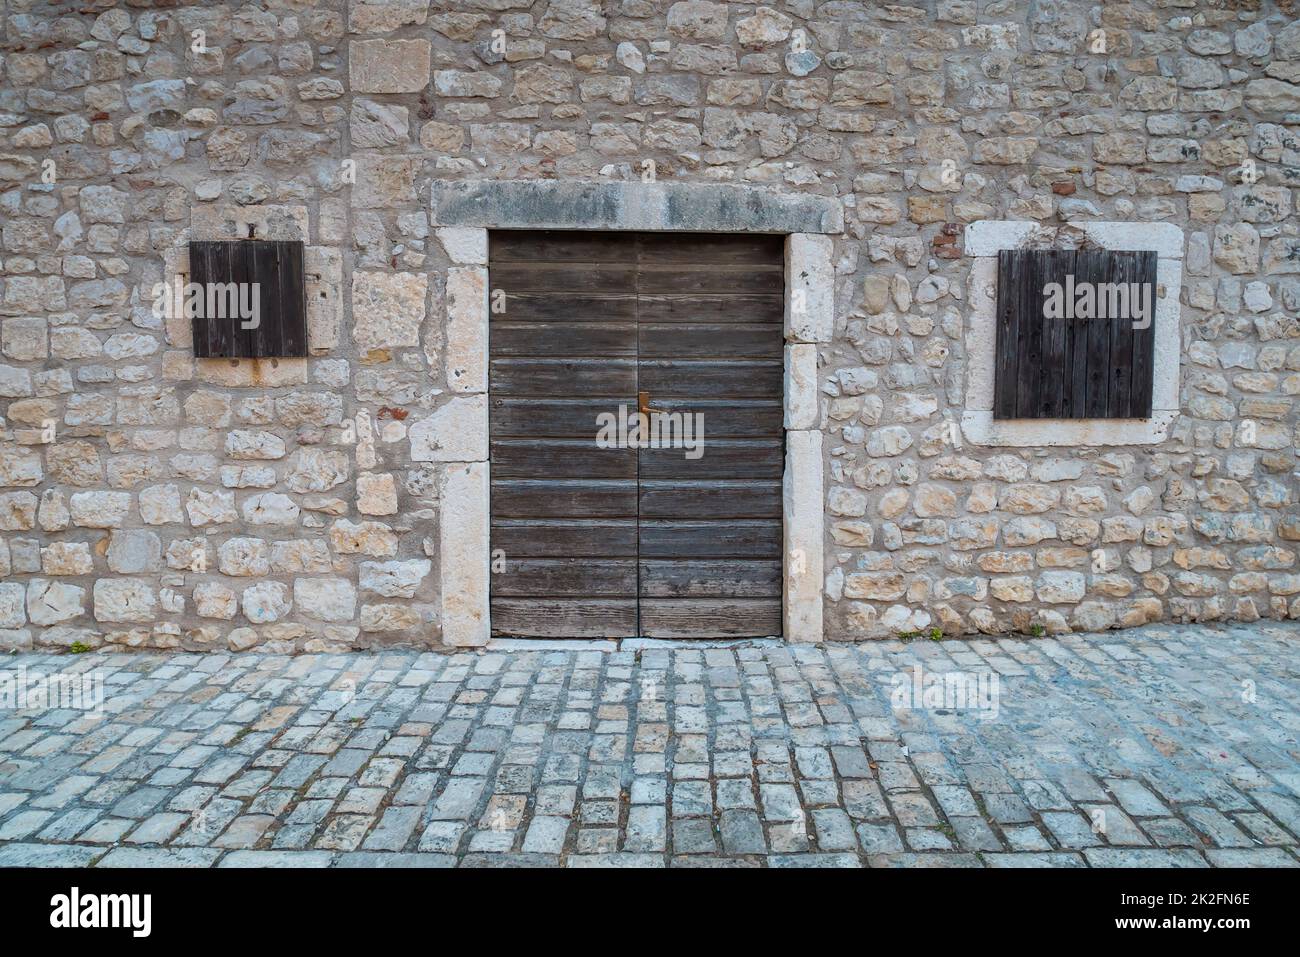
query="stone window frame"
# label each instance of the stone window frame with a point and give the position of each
(463, 212)
(983, 240)
(322, 271)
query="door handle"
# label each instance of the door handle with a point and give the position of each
(643, 404)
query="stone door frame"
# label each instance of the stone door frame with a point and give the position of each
(462, 213)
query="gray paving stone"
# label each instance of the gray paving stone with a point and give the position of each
(879, 838)
(742, 832)
(277, 859)
(1254, 857)
(546, 835)
(1216, 827)
(394, 829)
(48, 855)
(693, 836)
(160, 857)
(1071, 829)
(1059, 859)
(814, 860)
(509, 860)
(1135, 798)
(378, 859)
(615, 860)
(158, 829)
(1141, 857)
(646, 829)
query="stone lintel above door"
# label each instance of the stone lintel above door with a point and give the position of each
(674, 207)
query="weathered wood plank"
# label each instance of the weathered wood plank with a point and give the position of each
(546, 498)
(710, 248)
(706, 578)
(1097, 401)
(558, 339)
(558, 278)
(566, 577)
(710, 500)
(582, 378)
(722, 459)
(694, 379)
(525, 416)
(560, 245)
(1141, 392)
(543, 617)
(704, 279)
(1052, 374)
(710, 617)
(560, 459)
(575, 418)
(732, 538)
(567, 307)
(742, 307)
(708, 341)
(565, 538)
(1006, 337)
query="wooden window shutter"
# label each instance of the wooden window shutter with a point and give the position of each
(1075, 334)
(275, 270)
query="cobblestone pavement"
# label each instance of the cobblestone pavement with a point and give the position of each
(1166, 745)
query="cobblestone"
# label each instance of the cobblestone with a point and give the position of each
(1167, 746)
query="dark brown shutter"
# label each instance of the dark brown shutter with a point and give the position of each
(277, 269)
(1072, 367)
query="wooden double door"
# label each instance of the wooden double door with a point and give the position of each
(596, 532)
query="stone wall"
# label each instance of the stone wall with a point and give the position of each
(149, 499)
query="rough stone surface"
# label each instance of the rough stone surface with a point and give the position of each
(898, 146)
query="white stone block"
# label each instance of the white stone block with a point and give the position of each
(981, 331)
(981, 428)
(467, 328)
(456, 432)
(801, 399)
(1165, 238)
(985, 237)
(464, 245)
(1167, 340)
(809, 288)
(464, 554)
(802, 507)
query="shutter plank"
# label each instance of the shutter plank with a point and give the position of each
(1141, 392)
(1053, 365)
(1097, 398)
(1006, 335)
(1118, 269)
